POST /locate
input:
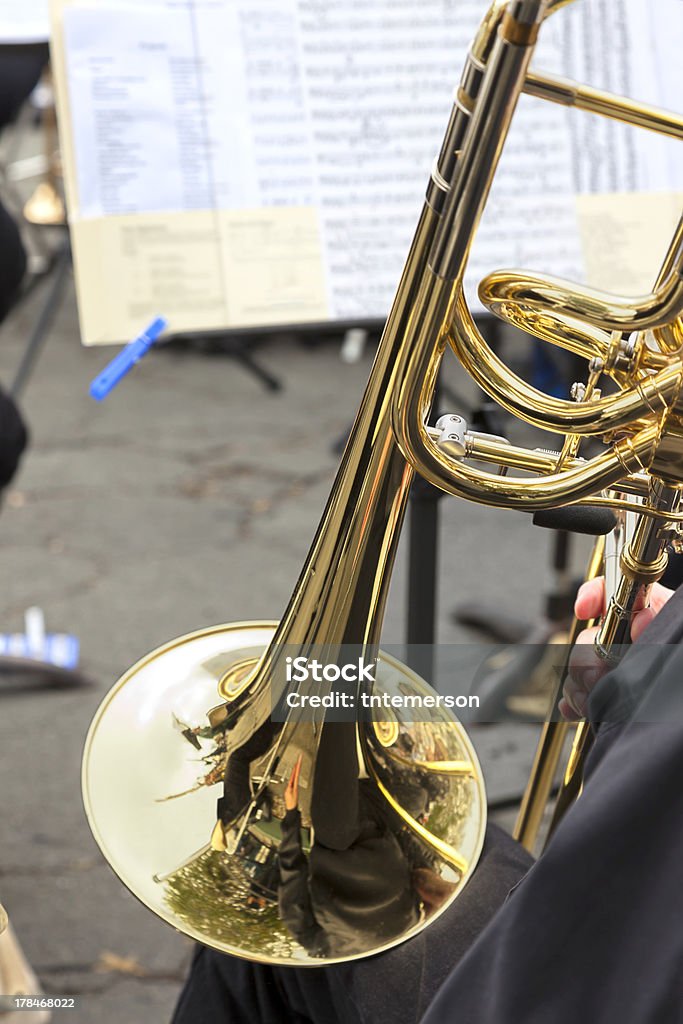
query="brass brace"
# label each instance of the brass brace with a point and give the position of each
(642, 572)
(518, 33)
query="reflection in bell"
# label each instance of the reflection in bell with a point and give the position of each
(334, 839)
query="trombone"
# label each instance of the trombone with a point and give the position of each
(217, 880)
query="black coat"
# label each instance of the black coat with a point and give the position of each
(594, 932)
(395, 987)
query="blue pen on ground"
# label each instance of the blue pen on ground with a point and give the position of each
(126, 360)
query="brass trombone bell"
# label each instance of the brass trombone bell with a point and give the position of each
(149, 804)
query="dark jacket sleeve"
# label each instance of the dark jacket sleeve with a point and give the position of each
(594, 932)
(294, 898)
(13, 438)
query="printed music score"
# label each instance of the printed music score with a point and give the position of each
(254, 163)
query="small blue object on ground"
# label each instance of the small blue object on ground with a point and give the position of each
(60, 649)
(126, 360)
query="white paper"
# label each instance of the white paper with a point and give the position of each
(134, 101)
(200, 107)
(380, 79)
(337, 110)
(24, 21)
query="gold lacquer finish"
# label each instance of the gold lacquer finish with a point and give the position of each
(596, 101)
(552, 741)
(205, 716)
(149, 787)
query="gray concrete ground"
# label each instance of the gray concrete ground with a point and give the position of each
(188, 498)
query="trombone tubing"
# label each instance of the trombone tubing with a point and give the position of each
(594, 101)
(551, 743)
(606, 414)
(627, 456)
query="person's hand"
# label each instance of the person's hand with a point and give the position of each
(292, 787)
(585, 667)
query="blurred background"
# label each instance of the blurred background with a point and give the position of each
(188, 498)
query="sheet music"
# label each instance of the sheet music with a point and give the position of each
(309, 127)
(133, 89)
(128, 266)
(631, 48)
(613, 227)
(380, 80)
(24, 21)
(220, 119)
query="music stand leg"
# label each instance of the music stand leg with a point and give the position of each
(235, 346)
(242, 354)
(41, 331)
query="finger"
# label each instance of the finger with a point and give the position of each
(590, 599)
(567, 711)
(659, 595)
(641, 620)
(585, 667)
(586, 638)
(584, 670)
(575, 698)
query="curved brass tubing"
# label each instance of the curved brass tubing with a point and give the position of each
(613, 412)
(414, 377)
(555, 5)
(582, 339)
(440, 846)
(486, 34)
(670, 338)
(545, 306)
(533, 294)
(627, 456)
(513, 296)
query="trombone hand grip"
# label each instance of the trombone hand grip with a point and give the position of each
(641, 563)
(586, 519)
(614, 633)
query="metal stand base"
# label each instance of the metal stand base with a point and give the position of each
(236, 346)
